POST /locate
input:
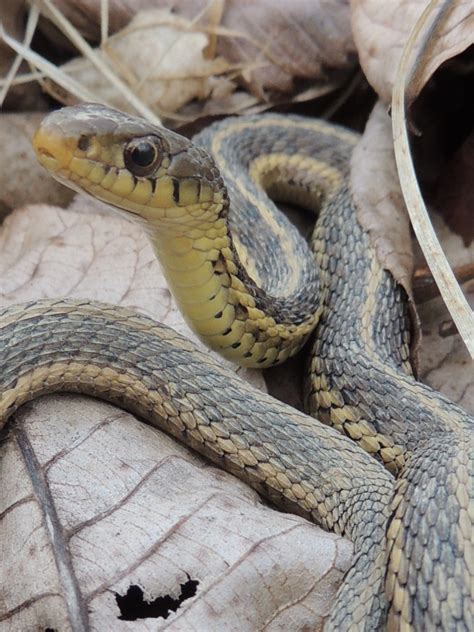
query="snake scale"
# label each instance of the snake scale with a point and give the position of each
(391, 467)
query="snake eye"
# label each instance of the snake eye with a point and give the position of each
(142, 155)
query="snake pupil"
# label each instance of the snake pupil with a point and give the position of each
(141, 155)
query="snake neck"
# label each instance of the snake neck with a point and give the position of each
(219, 299)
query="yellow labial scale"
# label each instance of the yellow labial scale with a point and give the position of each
(163, 195)
(188, 191)
(98, 191)
(81, 166)
(206, 193)
(123, 185)
(142, 192)
(214, 325)
(204, 309)
(109, 179)
(96, 174)
(189, 278)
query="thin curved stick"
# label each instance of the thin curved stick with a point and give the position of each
(449, 288)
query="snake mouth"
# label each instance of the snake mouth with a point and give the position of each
(52, 149)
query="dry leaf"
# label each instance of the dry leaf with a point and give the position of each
(281, 42)
(378, 197)
(381, 29)
(381, 211)
(161, 58)
(276, 42)
(99, 509)
(22, 179)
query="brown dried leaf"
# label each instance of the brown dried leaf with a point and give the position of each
(276, 41)
(280, 42)
(378, 197)
(381, 29)
(22, 179)
(161, 57)
(95, 502)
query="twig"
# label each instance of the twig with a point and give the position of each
(450, 290)
(49, 69)
(50, 11)
(33, 16)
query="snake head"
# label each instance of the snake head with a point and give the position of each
(145, 170)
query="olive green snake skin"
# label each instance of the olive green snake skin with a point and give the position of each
(393, 473)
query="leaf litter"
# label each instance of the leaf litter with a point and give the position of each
(135, 511)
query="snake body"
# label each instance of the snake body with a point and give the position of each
(229, 258)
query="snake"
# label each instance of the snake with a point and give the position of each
(380, 458)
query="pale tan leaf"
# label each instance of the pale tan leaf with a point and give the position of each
(277, 42)
(378, 197)
(382, 28)
(96, 502)
(160, 57)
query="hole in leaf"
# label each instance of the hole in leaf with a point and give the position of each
(133, 605)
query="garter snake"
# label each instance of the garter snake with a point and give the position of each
(248, 285)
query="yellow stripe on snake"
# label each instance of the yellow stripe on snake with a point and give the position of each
(393, 473)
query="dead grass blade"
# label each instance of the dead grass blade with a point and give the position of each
(49, 69)
(450, 290)
(32, 21)
(66, 27)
